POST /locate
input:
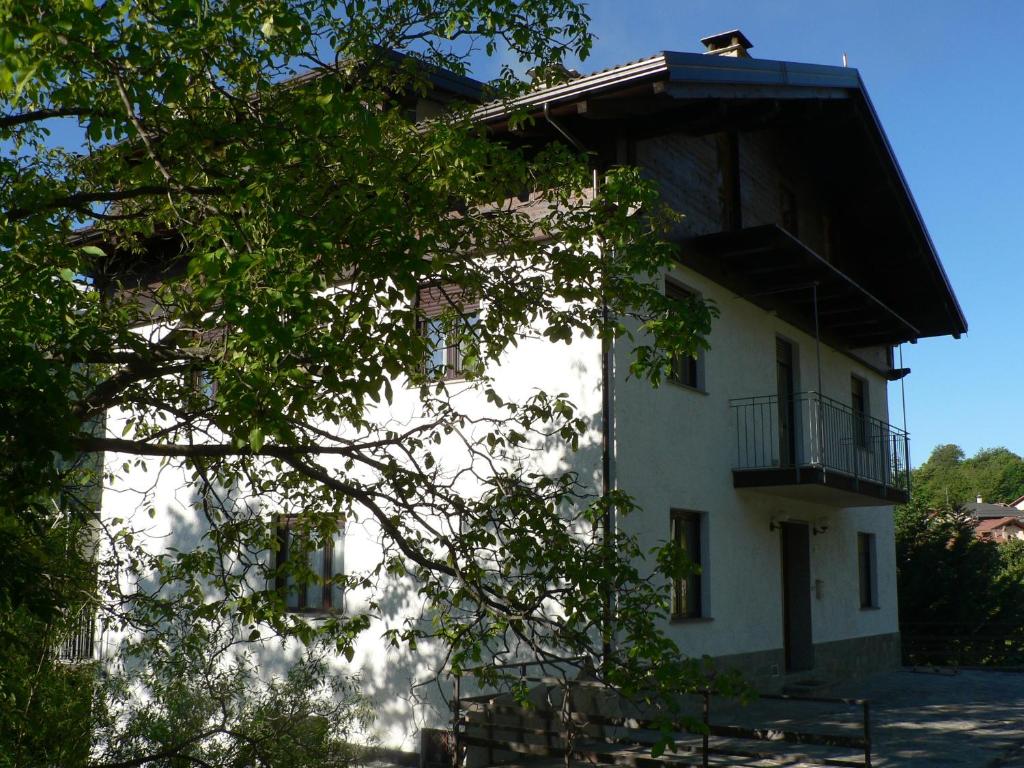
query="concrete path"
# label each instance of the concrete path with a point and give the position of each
(925, 719)
(970, 718)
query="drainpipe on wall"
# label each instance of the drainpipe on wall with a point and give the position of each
(607, 421)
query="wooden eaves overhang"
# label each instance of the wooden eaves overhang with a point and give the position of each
(890, 288)
(779, 273)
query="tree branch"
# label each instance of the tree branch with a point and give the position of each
(207, 451)
(79, 199)
(36, 115)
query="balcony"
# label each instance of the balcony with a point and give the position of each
(79, 644)
(813, 448)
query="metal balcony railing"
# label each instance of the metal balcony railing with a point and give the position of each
(811, 430)
(80, 642)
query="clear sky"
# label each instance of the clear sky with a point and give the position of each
(947, 80)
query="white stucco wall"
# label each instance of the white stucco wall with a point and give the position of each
(397, 681)
(676, 448)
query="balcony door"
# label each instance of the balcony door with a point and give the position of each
(796, 597)
(786, 387)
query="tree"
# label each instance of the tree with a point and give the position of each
(960, 597)
(190, 701)
(227, 254)
(995, 474)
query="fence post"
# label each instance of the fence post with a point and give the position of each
(707, 727)
(867, 733)
(567, 724)
(456, 717)
(490, 735)
(522, 722)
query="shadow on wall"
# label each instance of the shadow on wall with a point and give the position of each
(410, 689)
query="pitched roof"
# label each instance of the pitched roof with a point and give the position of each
(845, 139)
(984, 510)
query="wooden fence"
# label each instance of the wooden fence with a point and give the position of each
(567, 725)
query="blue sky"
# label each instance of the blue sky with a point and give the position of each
(945, 78)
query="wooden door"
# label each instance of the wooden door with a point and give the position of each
(796, 597)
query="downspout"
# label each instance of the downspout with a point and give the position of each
(607, 420)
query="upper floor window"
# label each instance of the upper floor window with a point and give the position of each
(448, 327)
(687, 370)
(306, 566)
(687, 600)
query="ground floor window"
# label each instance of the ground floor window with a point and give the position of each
(687, 533)
(306, 566)
(866, 570)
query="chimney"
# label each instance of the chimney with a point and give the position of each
(979, 499)
(732, 43)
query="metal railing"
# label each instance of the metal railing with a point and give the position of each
(811, 430)
(80, 642)
(572, 726)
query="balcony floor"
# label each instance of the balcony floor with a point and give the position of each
(820, 486)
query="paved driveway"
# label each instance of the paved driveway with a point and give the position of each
(927, 719)
(970, 718)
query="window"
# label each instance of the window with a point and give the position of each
(687, 370)
(866, 570)
(859, 403)
(447, 326)
(306, 567)
(204, 384)
(687, 601)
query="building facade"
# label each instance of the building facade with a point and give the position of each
(770, 456)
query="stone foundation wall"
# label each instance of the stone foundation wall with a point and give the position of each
(835, 662)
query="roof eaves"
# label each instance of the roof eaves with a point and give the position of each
(586, 85)
(687, 67)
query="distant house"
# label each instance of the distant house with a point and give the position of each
(997, 522)
(982, 510)
(999, 529)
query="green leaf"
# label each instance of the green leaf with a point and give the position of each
(256, 439)
(93, 250)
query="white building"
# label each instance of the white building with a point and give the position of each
(770, 455)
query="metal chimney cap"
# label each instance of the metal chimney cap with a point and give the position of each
(733, 39)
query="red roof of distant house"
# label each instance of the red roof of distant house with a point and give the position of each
(991, 524)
